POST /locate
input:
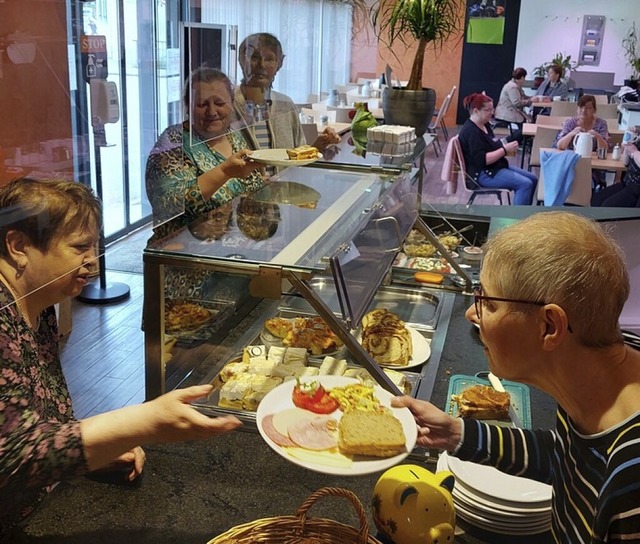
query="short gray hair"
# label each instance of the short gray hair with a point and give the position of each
(566, 259)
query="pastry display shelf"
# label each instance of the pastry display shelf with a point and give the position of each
(349, 238)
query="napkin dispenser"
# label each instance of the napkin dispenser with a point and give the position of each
(105, 107)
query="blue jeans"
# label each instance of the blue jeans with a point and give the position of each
(522, 182)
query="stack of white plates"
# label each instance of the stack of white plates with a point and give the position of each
(497, 502)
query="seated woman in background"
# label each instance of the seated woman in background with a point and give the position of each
(485, 156)
(47, 251)
(625, 194)
(552, 87)
(585, 121)
(202, 163)
(271, 117)
(512, 100)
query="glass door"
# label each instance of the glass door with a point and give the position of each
(118, 145)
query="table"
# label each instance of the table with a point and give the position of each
(607, 164)
(340, 128)
(530, 129)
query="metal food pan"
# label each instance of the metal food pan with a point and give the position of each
(418, 308)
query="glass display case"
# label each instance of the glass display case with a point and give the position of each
(317, 242)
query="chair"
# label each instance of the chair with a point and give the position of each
(607, 111)
(453, 167)
(580, 194)
(563, 109)
(310, 131)
(341, 114)
(313, 97)
(544, 138)
(551, 120)
(615, 138)
(601, 98)
(443, 125)
(437, 123)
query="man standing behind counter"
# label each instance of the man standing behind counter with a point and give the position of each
(271, 117)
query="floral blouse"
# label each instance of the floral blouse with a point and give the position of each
(40, 442)
(173, 166)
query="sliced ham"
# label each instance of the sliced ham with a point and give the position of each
(317, 433)
(273, 434)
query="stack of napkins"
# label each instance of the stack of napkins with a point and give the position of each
(391, 133)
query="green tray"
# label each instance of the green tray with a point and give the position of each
(520, 399)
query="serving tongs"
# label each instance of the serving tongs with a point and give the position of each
(453, 231)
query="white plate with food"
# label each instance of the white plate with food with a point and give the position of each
(421, 350)
(311, 333)
(313, 441)
(279, 157)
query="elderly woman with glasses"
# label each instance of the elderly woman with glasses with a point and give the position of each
(553, 288)
(271, 117)
(485, 156)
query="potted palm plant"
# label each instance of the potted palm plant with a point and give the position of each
(539, 73)
(565, 63)
(430, 23)
(632, 55)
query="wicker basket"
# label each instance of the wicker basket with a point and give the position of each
(300, 529)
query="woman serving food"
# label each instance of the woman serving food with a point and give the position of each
(201, 164)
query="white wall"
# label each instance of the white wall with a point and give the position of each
(626, 233)
(547, 27)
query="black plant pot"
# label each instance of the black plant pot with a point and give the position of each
(409, 108)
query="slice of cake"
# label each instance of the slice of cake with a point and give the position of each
(260, 386)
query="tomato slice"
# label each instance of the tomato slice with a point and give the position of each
(313, 397)
(325, 405)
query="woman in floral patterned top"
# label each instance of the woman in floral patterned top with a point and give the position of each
(48, 234)
(200, 164)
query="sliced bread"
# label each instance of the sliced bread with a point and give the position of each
(378, 434)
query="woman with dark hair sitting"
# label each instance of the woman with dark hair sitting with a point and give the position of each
(553, 87)
(512, 100)
(485, 156)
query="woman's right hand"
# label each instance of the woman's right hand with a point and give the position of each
(239, 165)
(511, 147)
(174, 419)
(436, 429)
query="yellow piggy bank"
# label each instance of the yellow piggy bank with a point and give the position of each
(411, 505)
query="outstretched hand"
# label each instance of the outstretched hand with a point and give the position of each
(176, 420)
(435, 428)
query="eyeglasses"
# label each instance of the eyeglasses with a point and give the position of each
(478, 297)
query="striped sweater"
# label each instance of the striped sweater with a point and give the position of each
(595, 478)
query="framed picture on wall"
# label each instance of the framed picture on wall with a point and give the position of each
(485, 21)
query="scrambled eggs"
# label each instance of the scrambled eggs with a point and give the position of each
(356, 397)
